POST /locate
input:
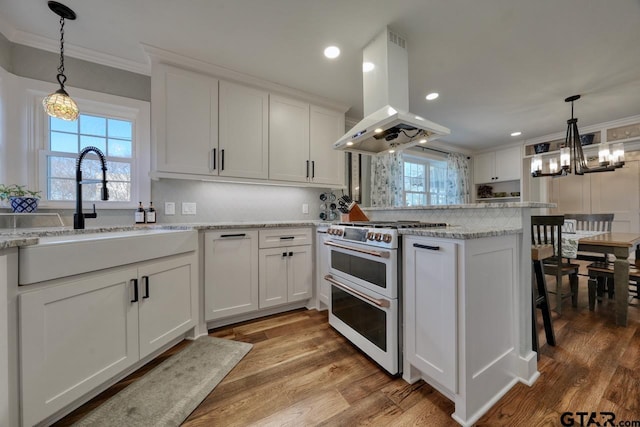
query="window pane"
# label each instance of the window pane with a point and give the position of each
(120, 129)
(91, 125)
(62, 189)
(119, 191)
(119, 148)
(63, 125)
(118, 171)
(93, 141)
(62, 167)
(65, 142)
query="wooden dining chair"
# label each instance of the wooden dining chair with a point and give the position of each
(547, 230)
(592, 222)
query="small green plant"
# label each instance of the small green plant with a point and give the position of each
(14, 190)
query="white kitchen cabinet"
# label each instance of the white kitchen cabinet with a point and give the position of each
(327, 165)
(285, 266)
(168, 298)
(430, 309)
(185, 120)
(461, 325)
(300, 142)
(230, 272)
(77, 333)
(497, 166)
(208, 127)
(243, 131)
(74, 337)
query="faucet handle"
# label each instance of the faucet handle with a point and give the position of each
(94, 214)
(105, 192)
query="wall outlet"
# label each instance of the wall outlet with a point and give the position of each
(305, 208)
(169, 208)
(188, 208)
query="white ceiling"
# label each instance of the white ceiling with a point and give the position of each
(499, 65)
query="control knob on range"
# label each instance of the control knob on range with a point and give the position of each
(370, 235)
(378, 237)
(339, 232)
(387, 238)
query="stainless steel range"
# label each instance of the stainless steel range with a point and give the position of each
(365, 277)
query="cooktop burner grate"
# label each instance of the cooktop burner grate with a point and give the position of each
(394, 224)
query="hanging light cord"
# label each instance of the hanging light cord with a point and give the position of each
(61, 77)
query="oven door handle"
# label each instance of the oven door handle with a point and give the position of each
(378, 302)
(363, 251)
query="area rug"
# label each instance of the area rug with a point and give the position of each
(167, 394)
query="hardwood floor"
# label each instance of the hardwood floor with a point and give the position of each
(301, 372)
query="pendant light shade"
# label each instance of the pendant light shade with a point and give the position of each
(59, 104)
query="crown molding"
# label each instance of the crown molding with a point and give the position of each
(44, 43)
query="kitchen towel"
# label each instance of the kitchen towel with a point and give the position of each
(167, 394)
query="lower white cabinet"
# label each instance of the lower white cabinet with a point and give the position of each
(286, 266)
(461, 318)
(230, 273)
(76, 333)
(285, 275)
(322, 268)
(430, 302)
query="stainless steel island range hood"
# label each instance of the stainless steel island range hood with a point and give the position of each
(387, 122)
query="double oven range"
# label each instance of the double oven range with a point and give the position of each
(365, 278)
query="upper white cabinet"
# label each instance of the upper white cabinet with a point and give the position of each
(300, 142)
(327, 164)
(184, 120)
(243, 132)
(205, 126)
(497, 166)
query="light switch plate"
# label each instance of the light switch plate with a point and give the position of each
(188, 208)
(305, 208)
(169, 208)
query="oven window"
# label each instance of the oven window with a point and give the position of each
(370, 271)
(364, 318)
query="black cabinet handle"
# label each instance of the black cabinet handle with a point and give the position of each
(287, 238)
(146, 287)
(135, 290)
(313, 169)
(431, 248)
(284, 254)
(233, 235)
(307, 168)
(290, 253)
(222, 160)
(214, 158)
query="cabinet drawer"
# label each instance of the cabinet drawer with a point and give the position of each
(280, 237)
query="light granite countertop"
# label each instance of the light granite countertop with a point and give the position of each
(460, 232)
(29, 236)
(496, 205)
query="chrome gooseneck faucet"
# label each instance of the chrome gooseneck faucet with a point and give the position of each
(78, 216)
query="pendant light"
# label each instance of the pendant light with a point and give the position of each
(572, 155)
(59, 104)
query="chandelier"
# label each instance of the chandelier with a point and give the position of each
(610, 156)
(59, 104)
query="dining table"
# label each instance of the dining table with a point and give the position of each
(620, 245)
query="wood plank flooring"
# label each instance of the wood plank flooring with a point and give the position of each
(301, 372)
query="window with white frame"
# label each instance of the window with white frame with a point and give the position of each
(424, 181)
(114, 137)
(119, 127)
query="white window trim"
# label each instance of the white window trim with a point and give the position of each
(97, 103)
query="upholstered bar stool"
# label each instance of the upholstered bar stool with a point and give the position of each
(540, 295)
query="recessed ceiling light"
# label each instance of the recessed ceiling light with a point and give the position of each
(518, 133)
(367, 66)
(422, 141)
(349, 142)
(432, 96)
(392, 151)
(332, 52)
(378, 130)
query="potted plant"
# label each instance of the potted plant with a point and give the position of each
(20, 199)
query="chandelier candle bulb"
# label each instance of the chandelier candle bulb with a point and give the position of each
(553, 165)
(604, 154)
(536, 164)
(565, 157)
(618, 153)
